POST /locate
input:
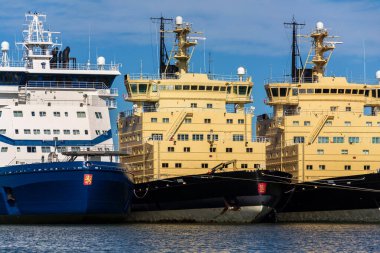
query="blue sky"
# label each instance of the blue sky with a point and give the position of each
(247, 33)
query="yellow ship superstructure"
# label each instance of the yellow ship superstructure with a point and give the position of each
(322, 127)
(187, 123)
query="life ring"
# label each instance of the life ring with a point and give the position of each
(87, 164)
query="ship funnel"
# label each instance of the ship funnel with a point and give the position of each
(378, 75)
(178, 20)
(101, 61)
(319, 25)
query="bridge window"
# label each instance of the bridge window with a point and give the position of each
(242, 90)
(310, 91)
(142, 88)
(318, 91)
(178, 87)
(348, 91)
(373, 92)
(216, 88)
(240, 121)
(194, 87)
(355, 91)
(320, 151)
(201, 87)
(134, 88)
(283, 92)
(222, 89)
(294, 91)
(209, 88)
(186, 87)
(326, 91)
(274, 92)
(341, 91)
(366, 93)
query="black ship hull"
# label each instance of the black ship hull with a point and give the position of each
(341, 199)
(237, 197)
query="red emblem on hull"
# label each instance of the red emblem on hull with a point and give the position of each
(262, 188)
(87, 179)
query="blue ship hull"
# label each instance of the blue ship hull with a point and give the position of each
(63, 192)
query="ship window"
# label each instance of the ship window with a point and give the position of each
(98, 115)
(317, 91)
(366, 93)
(142, 88)
(47, 131)
(202, 87)
(328, 123)
(361, 92)
(45, 149)
(16, 131)
(309, 167)
(197, 137)
(320, 151)
(27, 131)
(249, 91)
(61, 149)
(165, 165)
(3, 131)
(348, 91)
(204, 165)
(207, 121)
(367, 167)
(228, 90)
(326, 91)
(378, 93)
(306, 123)
(229, 150)
(66, 131)
(240, 121)
(170, 149)
(33, 114)
(66, 114)
(368, 123)
(31, 149)
(322, 167)
(1, 113)
(193, 105)
(75, 149)
(299, 139)
(376, 140)
(194, 87)
(165, 120)
(295, 91)
(98, 132)
(178, 165)
(341, 91)
(178, 87)
(301, 91)
(348, 108)
(134, 88)
(242, 90)
(81, 114)
(282, 92)
(187, 121)
(373, 92)
(333, 91)
(57, 114)
(296, 123)
(353, 140)
(42, 114)
(230, 121)
(347, 167)
(212, 150)
(323, 139)
(235, 90)
(36, 131)
(18, 149)
(183, 137)
(354, 91)
(338, 139)
(333, 108)
(257, 166)
(249, 150)
(86, 132)
(244, 166)
(209, 106)
(157, 137)
(154, 88)
(216, 88)
(212, 137)
(153, 120)
(208, 88)
(186, 149)
(186, 87)
(344, 151)
(223, 89)
(274, 92)
(309, 91)
(347, 123)
(76, 132)
(17, 114)
(56, 131)
(238, 137)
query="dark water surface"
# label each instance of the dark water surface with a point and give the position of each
(191, 238)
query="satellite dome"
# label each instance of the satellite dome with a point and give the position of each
(319, 25)
(178, 20)
(4, 46)
(101, 61)
(378, 75)
(241, 71)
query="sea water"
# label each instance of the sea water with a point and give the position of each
(191, 238)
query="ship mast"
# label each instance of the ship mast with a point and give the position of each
(295, 50)
(182, 30)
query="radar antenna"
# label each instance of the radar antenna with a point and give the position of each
(164, 58)
(295, 49)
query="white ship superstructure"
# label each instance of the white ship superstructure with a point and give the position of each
(49, 103)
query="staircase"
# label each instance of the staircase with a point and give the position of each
(319, 127)
(177, 123)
